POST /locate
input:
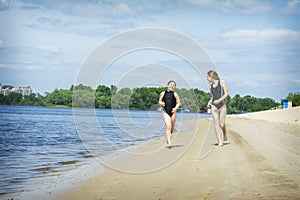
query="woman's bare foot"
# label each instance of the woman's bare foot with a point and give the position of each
(220, 144)
(225, 137)
(169, 145)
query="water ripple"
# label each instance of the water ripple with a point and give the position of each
(39, 142)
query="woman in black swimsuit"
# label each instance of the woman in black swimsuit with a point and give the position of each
(170, 102)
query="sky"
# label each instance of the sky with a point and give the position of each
(254, 45)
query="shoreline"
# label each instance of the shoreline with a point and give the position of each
(245, 168)
(51, 186)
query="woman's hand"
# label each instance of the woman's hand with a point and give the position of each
(162, 103)
(174, 110)
(209, 106)
(217, 101)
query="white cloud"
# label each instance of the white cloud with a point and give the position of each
(251, 84)
(87, 19)
(206, 3)
(82, 8)
(231, 6)
(256, 45)
(73, 25)
(48, 49)
(254, 37)
(4, 65)
(122, 8)
(292, 7)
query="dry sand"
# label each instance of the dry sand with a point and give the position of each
(260, 161)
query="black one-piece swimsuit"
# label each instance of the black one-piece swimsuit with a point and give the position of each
(170, 102)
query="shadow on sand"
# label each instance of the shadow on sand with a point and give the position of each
(224, 143)
(174, 146)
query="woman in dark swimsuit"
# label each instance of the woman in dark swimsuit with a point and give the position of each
(170, 102)
(219, 92)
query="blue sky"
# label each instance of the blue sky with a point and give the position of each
(255, 45)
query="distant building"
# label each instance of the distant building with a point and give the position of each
(7, 89)
(27, 90)
(286, 103)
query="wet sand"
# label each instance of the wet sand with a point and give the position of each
(261, 160)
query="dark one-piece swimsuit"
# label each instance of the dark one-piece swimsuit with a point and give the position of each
(217, 93)
(170, 102)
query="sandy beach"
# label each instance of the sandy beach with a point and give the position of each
(261, 160)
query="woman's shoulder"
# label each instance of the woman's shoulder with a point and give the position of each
(222, 81)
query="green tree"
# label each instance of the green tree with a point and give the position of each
(188, 99)
(32, 100)
(4, 100)
(249, 103)
(236, 104)
(143, 98)
(59, 97)
(267, 103)
(83, 96)
(113, 89)
(139, 98)
(295, 98)
(83, 99)
(203, 98)
(121, 99)
(103, 97)
(14, 98)
(82, 87)
(72, 87)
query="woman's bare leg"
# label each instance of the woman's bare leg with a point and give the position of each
(173, 120)
(168, 123)
(216, 119)
(222, 122)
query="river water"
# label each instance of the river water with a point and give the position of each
(37, 142)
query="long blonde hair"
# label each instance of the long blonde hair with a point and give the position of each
(213, 74)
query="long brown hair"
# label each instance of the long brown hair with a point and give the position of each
(213, 74)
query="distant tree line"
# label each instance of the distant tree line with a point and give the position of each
(17, 99)
(144, 98)
(295, 98)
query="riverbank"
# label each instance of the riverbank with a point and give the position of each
(260, 161)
